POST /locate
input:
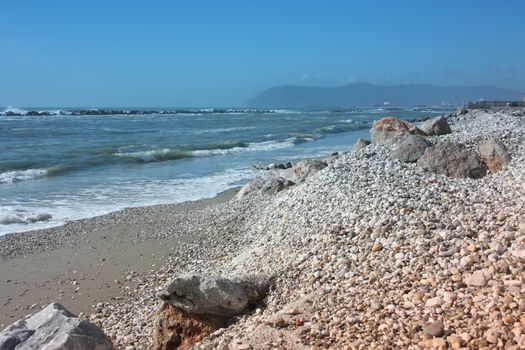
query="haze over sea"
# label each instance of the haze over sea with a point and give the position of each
(61, 165)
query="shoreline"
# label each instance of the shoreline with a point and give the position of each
(16, 237)
(85, 262)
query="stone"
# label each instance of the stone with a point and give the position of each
(175, 329)
(196, 306)
(410, 148)
(453, 160)
(307, 168)
(275, 185)
(391, 130)
(377, 247)
(455, 341)
(477, 279)
(435, 329)
(494, 154)
(267, 185)
(210, 295)
(436, 126)
(433, 302)
(360, 144)
(54, 328)
(461, 111)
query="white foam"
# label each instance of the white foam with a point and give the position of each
(102, 199)
(252, 147)
(9, 217)
(145, 156)
(13, 110)
(22, 175)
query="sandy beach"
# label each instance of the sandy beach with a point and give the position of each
(90, 261)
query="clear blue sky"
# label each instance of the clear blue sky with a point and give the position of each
(221, 53)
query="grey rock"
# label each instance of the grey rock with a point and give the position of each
(461, 111)
(391, 130)
(494, 155)
(54, 328)
(271, 184)
(452, 159)
(210, 295)
(360, 144)
(410, 148)
(436, 126)
(307, 168)
(274, 185)
(435, 329)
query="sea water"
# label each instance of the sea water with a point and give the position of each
(58, 165)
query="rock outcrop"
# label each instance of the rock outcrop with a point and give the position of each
(196, 305)
(391, 130)
(360, 144)
(307, 168)
(452, 159)
(175, 329)
(410, 148)
(211, 295)
(270, 184)
(54, 328)
(436, 126)
(494, 155)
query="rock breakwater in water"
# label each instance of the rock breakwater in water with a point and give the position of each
(367, 252)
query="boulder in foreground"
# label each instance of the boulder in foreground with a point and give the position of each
(410, 148)
(199, 294)
(494, 155)
(452, 159)
(436, 126)
(54, 328)
(196, 305)
(391, 129)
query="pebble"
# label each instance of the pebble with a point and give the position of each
(435, 329)
(477, 279)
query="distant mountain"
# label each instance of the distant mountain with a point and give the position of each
(362, 94)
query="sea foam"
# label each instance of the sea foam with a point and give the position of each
(22, 175)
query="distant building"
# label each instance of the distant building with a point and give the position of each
(489, 104)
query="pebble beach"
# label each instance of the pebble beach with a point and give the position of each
(368, 253)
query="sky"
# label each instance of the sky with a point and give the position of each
(102, 53)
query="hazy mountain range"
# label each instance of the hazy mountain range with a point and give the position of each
(363, 94)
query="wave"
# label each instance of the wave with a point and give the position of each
(13, 176)
(16, 112)
(153, 155)
(18, 218)
(250, 147)
(231, 147)
(221, 130)
(303, 137)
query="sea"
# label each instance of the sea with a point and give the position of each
(58, 165)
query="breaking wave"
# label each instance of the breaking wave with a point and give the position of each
(165, 154)
(22, 175)
(19, 218)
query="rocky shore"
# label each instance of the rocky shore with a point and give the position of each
(370, 250)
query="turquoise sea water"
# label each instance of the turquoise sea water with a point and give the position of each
(61, 165)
